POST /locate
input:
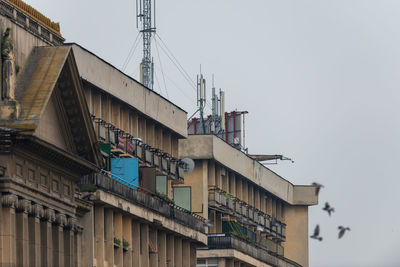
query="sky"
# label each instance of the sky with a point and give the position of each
(319, 78)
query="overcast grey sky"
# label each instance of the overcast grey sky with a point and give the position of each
(320, 80)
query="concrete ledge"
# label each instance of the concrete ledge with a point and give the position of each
(230, 253)
(145, 206)
(150, 216)
(226, 242)
(113, 81)
(212, 147)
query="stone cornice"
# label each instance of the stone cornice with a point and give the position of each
(30, 11)
(30, 20)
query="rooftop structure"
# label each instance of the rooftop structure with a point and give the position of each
(258, 218)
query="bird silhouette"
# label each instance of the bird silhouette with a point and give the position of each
(342, 230)
(317, 187)
(316, 233)
(328, 208)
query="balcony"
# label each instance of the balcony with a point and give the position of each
(145, 199)
(124, 145)
(251, 213)
(246, 214)
(218, 198)
(238, 206)
(271, 254)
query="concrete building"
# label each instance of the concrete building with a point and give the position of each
(258, 218)
(69, 123)
(132, 121)
(90, 169)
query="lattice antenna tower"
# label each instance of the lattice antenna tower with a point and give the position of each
(146, 23)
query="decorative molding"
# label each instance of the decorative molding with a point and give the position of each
(9, 201)
(37, 211)
(49, 215)
(24, 205)
(61, 219)
(30, 11)
(31, 23)
(79, 229)
(72, 223)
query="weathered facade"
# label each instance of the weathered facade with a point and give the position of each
(90, 169)
(65, 116)
(258, 218)
(134, 122)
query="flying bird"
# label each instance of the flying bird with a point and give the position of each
(328, 208)
(342, 230)
(316, 233)
(317, 187)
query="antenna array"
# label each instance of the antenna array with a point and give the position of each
(144, 16)
(201, 97)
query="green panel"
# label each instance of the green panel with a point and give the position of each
(106, 148)
(182, 197)
(105, 151)
(162, 185)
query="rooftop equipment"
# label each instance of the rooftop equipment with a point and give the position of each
(145, 15)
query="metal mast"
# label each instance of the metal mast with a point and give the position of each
(144, 13)
(201, 98)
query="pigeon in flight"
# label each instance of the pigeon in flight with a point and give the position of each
(342, 230)
(317, 187)
(328, 208)
(316, 233)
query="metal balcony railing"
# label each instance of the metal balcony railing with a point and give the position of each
(144, 198)
(125, 143)
(271, 254)
(222, 200)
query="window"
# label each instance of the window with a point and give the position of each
(207, 263)
(182, 197)
(162, 184)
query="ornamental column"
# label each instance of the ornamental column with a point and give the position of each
(46, 237)
(58, 240)
(23, 208)
(37, 212)
(69, 241)
(9, 203)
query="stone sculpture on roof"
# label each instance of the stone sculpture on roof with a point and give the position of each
(8, 67)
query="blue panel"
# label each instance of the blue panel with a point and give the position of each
(126, 171)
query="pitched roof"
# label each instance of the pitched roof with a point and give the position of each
(48, 70)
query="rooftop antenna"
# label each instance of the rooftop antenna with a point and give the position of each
(214, 106)
(201, 98)
(144, 16)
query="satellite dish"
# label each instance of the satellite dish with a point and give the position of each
(188, 165)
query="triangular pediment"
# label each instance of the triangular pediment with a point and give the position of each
(53, 105)
(53, 127)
